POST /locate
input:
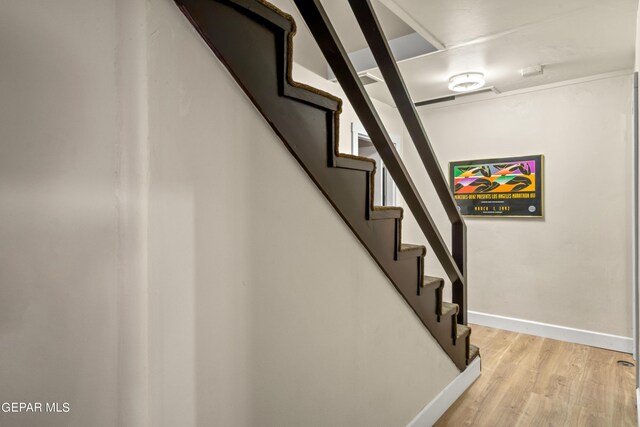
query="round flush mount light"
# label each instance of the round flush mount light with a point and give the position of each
(466, 82)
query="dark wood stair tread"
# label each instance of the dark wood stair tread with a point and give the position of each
(411, 251)
(448, 309)
(462, 331)
(473, 352)
(354, 162)
(385, 212)
(435, 282)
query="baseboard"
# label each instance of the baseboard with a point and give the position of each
(562, 333)
(439, 405)
(638, 405)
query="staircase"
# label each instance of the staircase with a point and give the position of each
(255, 41)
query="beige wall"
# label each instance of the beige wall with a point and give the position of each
(265, 310)
(59, 210)
(165, 261)
(573, 267)
(389, 115)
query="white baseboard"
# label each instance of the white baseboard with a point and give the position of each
(562, 333)
(439, 405)
(638, 405)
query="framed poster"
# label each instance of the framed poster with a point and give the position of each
(506, 187)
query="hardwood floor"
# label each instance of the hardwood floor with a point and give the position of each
(533, 381)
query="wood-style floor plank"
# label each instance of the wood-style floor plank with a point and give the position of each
(533, 381)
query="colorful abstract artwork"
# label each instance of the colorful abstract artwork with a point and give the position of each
(498, 187)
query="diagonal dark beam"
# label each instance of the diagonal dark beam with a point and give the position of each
(383, 55)
(335, 54)
(379, 46)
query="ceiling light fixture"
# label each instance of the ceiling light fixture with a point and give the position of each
(466, 82)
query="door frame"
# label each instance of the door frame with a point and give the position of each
(358, 131)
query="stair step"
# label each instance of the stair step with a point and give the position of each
(410, 251)
(347, 161)
(385, 212)
(462, 332)
(432, 282)
(473, 352)
(448, 309)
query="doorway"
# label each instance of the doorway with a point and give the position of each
(384, 188)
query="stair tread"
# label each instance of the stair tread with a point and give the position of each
(354, 157)
(407, 251)
(432, 281)
(404, 247)
(474, 352)
(382, 212)
(349, 161)
(449, 309)
(462, 331)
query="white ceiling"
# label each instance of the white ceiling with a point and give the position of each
(345, 22)
(570, 38)
(309, 55)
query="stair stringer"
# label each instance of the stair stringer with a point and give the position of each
(254, 40)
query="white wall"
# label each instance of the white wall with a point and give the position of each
(573, 267)
(154, 269)
(265, 310)
(73, 116)
(389, 115)
(59, 211)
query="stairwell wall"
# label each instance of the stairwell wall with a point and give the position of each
(260, 306)
(264, 308)
(388, 114)
(571, 268)
(70, 221)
